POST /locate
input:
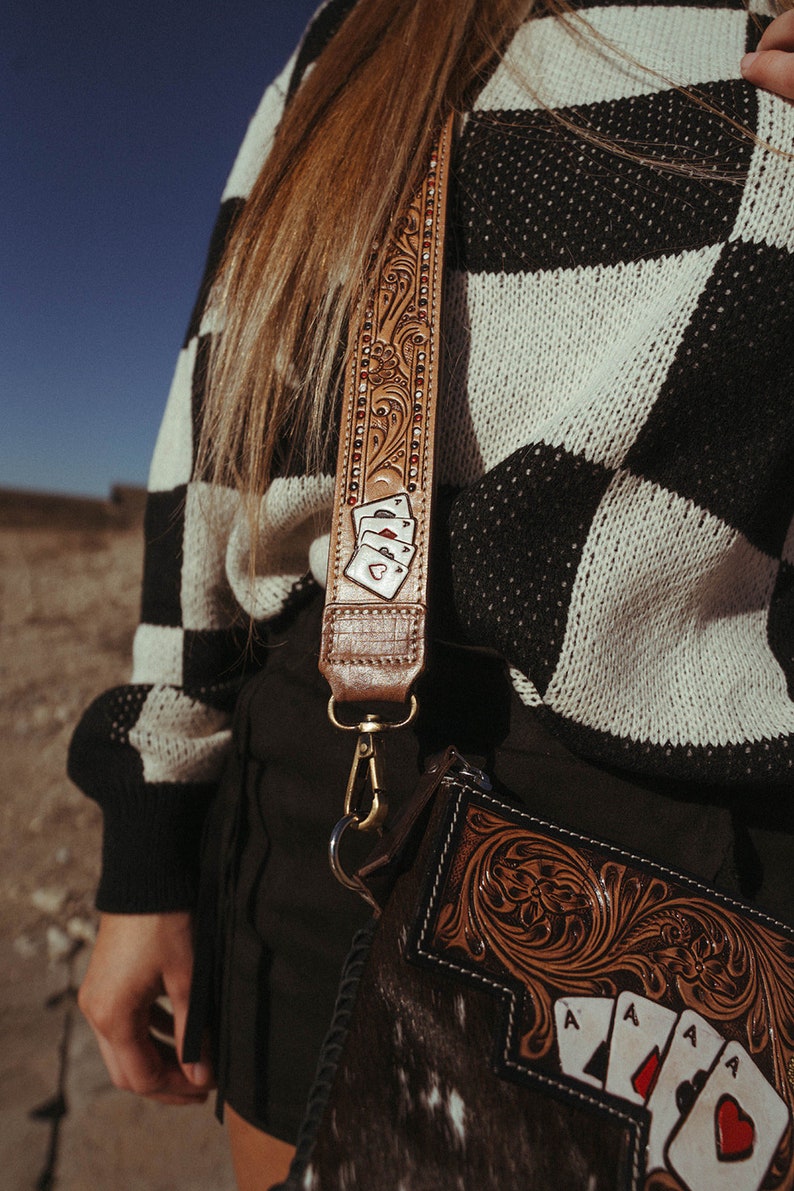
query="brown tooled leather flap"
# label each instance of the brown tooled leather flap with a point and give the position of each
(373, 641)
(548, 922)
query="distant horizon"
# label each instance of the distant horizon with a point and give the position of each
(29, 490)
(122, 126)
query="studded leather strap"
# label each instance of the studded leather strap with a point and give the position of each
(373, 640)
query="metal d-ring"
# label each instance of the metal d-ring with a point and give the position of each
(334, 845)
(373, 723)
(366, 805)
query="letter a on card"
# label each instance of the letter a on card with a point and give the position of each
(582, 1025)
(640, 1030)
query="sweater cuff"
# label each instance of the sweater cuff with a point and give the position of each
(151, 850)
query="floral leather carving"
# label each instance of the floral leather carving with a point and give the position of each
(534, 913)
(371, 649)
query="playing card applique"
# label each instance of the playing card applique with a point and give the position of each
(640, 1031)
(384, 550)
(600, 964)
(396, 548)
(693, 1047)
(389, 506)
(730, 1136)
(715, 1121)
(395, 529)
(582, 1027)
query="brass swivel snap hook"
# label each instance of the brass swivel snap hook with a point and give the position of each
(367, 771)
(366, 804)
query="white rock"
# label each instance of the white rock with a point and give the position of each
(82, 929)
(58, 943)
(49, 899)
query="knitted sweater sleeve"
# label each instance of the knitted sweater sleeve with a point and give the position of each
(151, 753)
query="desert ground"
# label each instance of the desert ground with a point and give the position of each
(68, 602)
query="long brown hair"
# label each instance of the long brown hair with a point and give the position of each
(344, 159)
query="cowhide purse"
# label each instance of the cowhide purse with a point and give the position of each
(534, 1009)
(530, 1008)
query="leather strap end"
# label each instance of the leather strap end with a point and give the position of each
(374, 653)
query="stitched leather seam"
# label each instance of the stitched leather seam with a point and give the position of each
(509, 994)
(493, 986)
(681, 878)
(419, 249)
(397, 660)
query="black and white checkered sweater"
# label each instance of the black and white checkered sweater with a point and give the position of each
(619, 428)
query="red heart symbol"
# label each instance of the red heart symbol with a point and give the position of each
(734, 1130)
(377, 570)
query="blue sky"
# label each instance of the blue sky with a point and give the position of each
(120, 123)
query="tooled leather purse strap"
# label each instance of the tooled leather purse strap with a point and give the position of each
(375, 619)
(373, 638)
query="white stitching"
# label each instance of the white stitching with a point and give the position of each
(457, 792)
(693, 882)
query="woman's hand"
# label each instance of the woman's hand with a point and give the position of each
(138, 958)
(772, 65)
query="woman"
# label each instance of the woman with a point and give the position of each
(618, 322)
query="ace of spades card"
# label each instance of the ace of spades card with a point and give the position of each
(582, 1028)
(693, 1047)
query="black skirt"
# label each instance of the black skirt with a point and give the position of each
(274, 926)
